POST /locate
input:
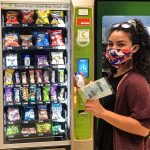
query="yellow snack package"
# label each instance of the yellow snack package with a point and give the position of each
(9, 76)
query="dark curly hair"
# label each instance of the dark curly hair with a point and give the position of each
(138, 35)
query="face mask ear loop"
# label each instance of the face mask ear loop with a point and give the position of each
(133, 47)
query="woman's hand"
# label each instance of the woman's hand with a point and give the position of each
(95, 108)
(84, 79)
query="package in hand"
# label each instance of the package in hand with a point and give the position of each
(95, 90)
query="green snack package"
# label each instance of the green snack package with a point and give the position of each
(46, 90)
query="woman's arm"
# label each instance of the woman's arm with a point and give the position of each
(124, 123)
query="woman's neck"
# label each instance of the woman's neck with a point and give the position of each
(123, 69)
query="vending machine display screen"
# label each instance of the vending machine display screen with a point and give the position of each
(83, 66)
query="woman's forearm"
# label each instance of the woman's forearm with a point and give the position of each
(124, 123)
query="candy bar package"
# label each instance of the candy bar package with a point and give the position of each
(32, 93)
(39, 76)
(61, 76)
(46, 93)
(95, 90)
(25, 94)
(9, 76)
(39, 94)
(31, 77)
(46, 76)
(24, 77)
(61, 94)
(8, 94)
(17, 95)
(53, 93)
(17, 77)
(53, 76)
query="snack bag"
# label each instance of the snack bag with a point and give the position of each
(27, 60)
(57, 58)
(56, 38)
(12, 17)
(41, 38)
(11, 60)
(57, 17)
(56, 112)
(13, 114)
(11, 40)
(42, 17)
(43, 127)
(29, 113)
(42, 60)
(28, 130)
(27, 16)
(57, 128)
(12, 130)
(42, 112)
(26, 40)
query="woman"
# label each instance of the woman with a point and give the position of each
(125, 115)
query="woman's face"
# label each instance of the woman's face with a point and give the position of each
(119, 40)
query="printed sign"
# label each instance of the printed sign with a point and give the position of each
(83, 21)
(83, 12)
(83, 35)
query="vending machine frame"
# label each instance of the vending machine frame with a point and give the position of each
(29, 4)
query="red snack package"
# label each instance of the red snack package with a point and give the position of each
(27, 16)
(56, 38)
(12, 17)
(39, 78)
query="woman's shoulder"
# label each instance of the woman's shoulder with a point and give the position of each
(134, 78)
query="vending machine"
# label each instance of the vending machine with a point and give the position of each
(35, 74)
(43, 43)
